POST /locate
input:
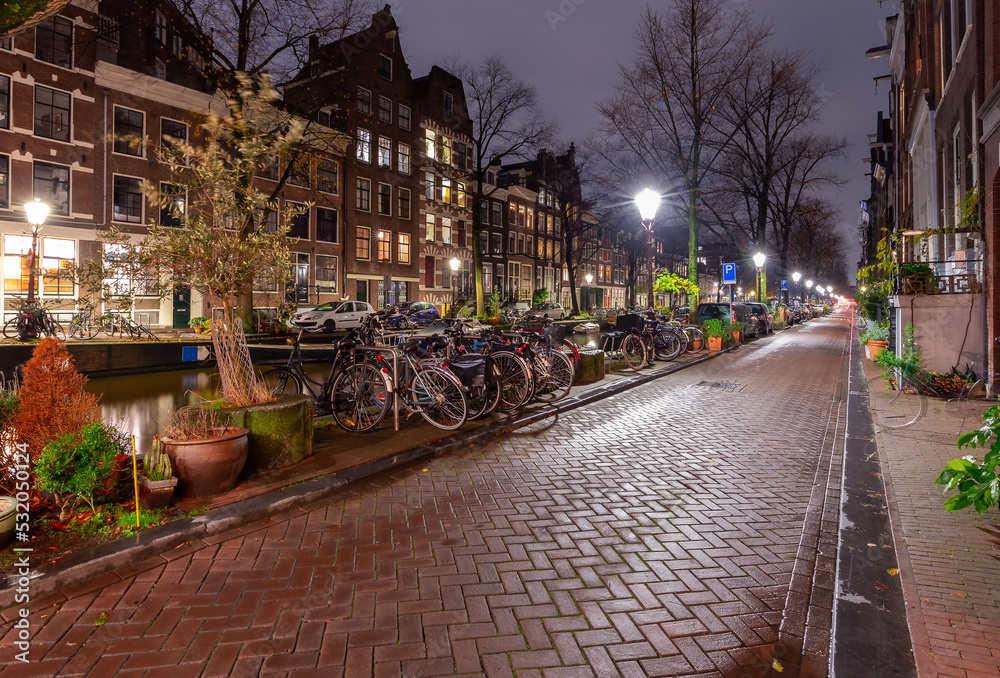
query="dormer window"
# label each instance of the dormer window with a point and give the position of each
(448, 104)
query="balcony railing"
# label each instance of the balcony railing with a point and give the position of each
(957, 276)
(107, 28)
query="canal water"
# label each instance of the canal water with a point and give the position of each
(140, 404)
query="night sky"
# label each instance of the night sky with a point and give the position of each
(573, 63)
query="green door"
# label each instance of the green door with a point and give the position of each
(182, 307)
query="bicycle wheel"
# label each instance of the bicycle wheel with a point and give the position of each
(10, 328)
(553, 374)
(980, 392)
(859, 322)
(361, 396)
(280, 381)
(484, 399)
(895, 405)
(696, 343)
(53, 328)
(666, 346)
(517, 385)
(634, 352)
(439, 397)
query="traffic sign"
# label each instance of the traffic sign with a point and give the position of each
(784, 285)
(729, 274)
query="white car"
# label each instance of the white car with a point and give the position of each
(333, 316)
(548, 310)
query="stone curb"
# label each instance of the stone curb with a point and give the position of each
(126, 551)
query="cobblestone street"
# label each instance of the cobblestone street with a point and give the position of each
(684, 528)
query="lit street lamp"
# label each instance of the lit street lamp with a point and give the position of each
(809, 284)
(758, 260)
(796, 277)
(589, 278)
(648, 201)
(36, 212)
(455, 264)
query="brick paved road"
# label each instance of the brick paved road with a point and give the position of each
(653, 534)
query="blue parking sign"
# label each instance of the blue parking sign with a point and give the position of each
(784, 285)
(729, 274)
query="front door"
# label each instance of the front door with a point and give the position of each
(182, 307)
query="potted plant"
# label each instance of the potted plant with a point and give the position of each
(713, 330)
(197, 323)
(876, 339)
(207, 454)
(737, 330)
(156, 480)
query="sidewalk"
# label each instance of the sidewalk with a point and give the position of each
(949, 562)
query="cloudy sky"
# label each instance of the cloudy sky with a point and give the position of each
(570, 50)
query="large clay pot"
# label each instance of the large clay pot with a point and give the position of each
(210, 466)
(8, 518)
(875, 347)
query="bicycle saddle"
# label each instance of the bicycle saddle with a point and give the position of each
(437, 343)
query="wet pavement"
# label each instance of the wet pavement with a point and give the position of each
(685, 527)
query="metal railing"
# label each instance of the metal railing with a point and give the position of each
(955, 276)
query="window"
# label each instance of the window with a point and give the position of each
(363, 246)
(364, 103)
(429, 222)
(496, 212)
(363, 198)
(50, 184)
(127, 203)
(520, 215)
(528, 247)
(4, 102)
(445, 190)
(172, 212)
(384, 67)
(404, 248)
(269, 225)
(177, 45)
(448, 104)
(173, 132)
(460, 194)
(384, 152)
(403, 208)
(160, 28)
(326, 225)
(128, 131)
(7, 44)
(58, 258)
(384, 110)
(159, 69)
(496, 243)
(428, 271)
(429, 185)
(446, 230)
(461, 155)
(404, 117)
(384, 246)
(429, 144)
(15, 263)
(403, 155)
(385, 200)
(520, 244)
(511, 243)
(52, 119)
(267, 168)
(446, 274)
(364, 145)
(326, 274)
(444, 149)
(460, 237)
(298, 226)
(488, 279)
(327, 176)
(54, 42)
(4, 182)
(299, 173)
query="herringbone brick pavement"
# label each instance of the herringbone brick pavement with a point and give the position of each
(652, 534)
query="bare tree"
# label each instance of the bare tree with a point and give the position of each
(507, 124)
(816, 245)
(666, 113)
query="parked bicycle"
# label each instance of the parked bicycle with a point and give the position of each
(118, 325)
(33, 320)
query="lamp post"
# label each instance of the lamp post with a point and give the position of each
(758, 261)
(648, 201)
(796, 277)
(455, 265)
(809, 284)
(36, 212)
(589, 278)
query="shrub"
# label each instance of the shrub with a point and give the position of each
(713, 328)
(976, 482)
(75, 466)
(197, 321)
(52, 400)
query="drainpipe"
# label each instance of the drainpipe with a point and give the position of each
(104, 144)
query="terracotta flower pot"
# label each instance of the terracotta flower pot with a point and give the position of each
(210, 466)
(875, 346)
(199, 329)
(737, 336)
(156, 494)
(715, 343)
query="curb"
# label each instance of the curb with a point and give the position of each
(123, 552)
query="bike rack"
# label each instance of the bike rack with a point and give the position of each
(394, 355)
(146, 322)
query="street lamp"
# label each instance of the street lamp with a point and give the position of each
(758, 260)
(455, 264)
(648, 201)
(589, 278)
(36, 212)
(796, 277)
(809, 284)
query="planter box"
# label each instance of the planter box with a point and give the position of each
(715, 343)
(280, 432)
(591, 366)
(156, 494)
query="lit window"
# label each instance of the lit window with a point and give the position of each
(15, 263)
(58, 258)
(460, 194)
(445, 190)
(384, 242)
(429, 185)
(404, 248)
(5, 184)
(403, 151)
(446, 230)
(429, 223)
(364, 145)
(444, 150)
(54, 42)
(364, 103)
(326, 274)
(429, 147)
(363, 247)
(52, 110)
(384, 152)
(127, 202)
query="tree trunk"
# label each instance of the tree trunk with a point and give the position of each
(693, 244)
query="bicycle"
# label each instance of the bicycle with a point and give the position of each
(625, 341)
(33, 320)
(83, 325)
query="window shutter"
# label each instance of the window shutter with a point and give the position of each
(429, 271)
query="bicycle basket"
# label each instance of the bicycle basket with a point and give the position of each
(470, 370)
(629, 322)
(555, 332)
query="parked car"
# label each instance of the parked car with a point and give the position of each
(334, 315)
(417, 314)
(547, 310)
(763, 315)
(728, 314)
